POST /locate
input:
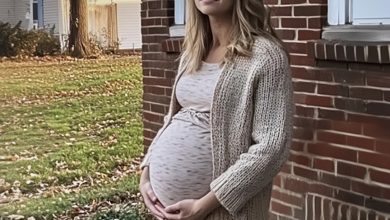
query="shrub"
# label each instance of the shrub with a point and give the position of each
(16, 41)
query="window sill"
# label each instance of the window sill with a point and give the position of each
(173, 44)
(350, 51)
(176, 30)
(371, 33)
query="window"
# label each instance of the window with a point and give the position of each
(35, 11)
(177, 30)
(358, 12)
(358, 20)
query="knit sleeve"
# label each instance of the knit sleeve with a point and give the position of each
(271, 135)
(146, 161)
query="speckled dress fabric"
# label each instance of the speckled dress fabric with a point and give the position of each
(181, 165)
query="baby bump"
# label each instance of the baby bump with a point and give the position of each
(181, 163)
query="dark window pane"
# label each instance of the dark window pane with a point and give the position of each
(35, 11)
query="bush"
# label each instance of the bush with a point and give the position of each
(16, 41)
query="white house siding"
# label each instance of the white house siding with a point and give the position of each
(51, 14)
(7, 11)
(22, 13)
(129, 24)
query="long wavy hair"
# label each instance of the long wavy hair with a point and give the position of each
(250, 18)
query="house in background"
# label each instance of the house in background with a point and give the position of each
(109, 20)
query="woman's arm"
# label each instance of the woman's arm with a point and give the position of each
(271, 133)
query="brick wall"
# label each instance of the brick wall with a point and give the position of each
(339, 166)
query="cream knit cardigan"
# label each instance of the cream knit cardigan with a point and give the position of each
(251, 127)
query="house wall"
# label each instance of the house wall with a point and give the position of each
(129, 24)
(7, 11)
(339, 163)
(13, 11)
(51, 14)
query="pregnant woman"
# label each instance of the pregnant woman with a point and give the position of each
(228, 129)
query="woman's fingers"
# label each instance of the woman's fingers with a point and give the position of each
(145, 192)
(151, 194)
(152, 208)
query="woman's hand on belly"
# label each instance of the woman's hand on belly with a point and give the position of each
(150, 199)
(191, 209)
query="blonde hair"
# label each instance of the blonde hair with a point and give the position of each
(250, 18)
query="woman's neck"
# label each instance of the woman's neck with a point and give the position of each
(220, 28)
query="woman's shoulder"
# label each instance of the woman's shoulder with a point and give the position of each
(265, 48)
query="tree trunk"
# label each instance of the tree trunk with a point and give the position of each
(78, 37)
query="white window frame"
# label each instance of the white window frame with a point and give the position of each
(177, 30)
(344, 12)
(346, 25)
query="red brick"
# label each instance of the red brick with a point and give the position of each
(327, 89)
(354, 105)
(153, 90)
(313, 100)
(377, 130)
(300, 159)
(352, 170)
(323, 164)
(368, 119)
(370, 190)
(325, 75)
(326, 150)
(331, 137)
(366, 93)
(302, 122)
(379, 176)
(306, 173)
(157, 81)
(153, 117)
(304, 111)
(280, 208)
(310, 10)
(302, 133)
(321, 189)
(286, 34)
(361, 142)
(333, 180)
(286, 168)
(331, 114)
(378, 108)
(300, 86)
(296, 47)
(309, 34)
(301, 60)
(290, 199)
(378, 80)
(146, 106)
(295, 185)
(346, 126)
(317, 23)
(293, 1)
(294, 22)
(318, 1)
(157, 108)
(270, 2)
(297, 146)
(382, 146)
(277, 181)
(302, 73)
(375, 159)
(281, 11)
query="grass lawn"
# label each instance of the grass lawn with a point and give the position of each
(70, 136)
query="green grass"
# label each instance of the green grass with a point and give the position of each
(66, 122)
